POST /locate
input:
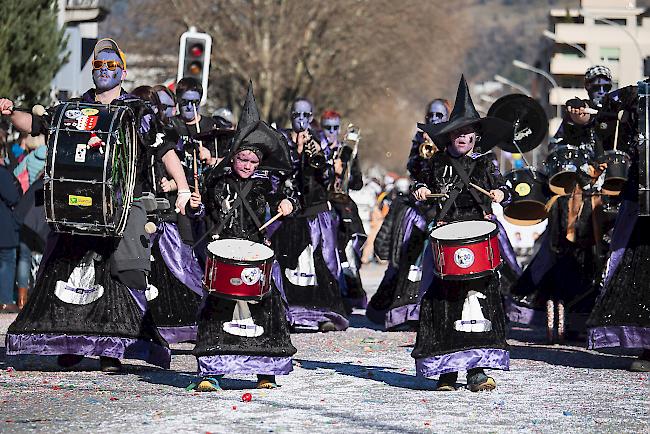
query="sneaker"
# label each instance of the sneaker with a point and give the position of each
(208, 384)
(447, 382)
(327, 326)
(68, 360)
(266, 382)
(478, 381)
(110, 365)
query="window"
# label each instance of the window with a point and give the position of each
(610, 54)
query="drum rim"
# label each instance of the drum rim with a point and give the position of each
(240, 261)
(466, 241)
(235, 298)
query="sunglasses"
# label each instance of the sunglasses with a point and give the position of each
(604, 87)
(434, 115)
(111, 65)
(331, 127)
(296, 115)
(166, 106)
(189, 102)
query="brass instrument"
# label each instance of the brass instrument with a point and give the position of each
(427, 148)
(315, 158)
(347, 153)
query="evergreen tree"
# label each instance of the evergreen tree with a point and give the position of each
(33, 46)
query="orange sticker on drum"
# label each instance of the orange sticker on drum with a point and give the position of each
(522, 189)
(89, 111)
(79, 200)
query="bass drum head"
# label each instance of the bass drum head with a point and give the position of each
(464, 231)
(525, 213)
(238, 250)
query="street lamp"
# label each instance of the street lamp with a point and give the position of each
(546, 75)
(512, 84)
(553, 37)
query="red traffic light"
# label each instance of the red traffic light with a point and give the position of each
(196, 50)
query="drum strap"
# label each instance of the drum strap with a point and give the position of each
(462, 183)
(241, 200)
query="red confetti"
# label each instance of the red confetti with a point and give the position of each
(246, 397)
(234, 407)
(427, 423)
(137, 396)
(424, 400)
(112, 398)
(56, 387)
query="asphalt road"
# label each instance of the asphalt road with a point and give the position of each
(360, 380)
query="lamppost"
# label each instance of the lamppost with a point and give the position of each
(546, 75)
(512, 84)
(553, 37)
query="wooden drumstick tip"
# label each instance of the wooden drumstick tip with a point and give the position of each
(38, 110)
(150, 228)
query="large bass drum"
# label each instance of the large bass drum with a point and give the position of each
(562, 166)
(90, 168)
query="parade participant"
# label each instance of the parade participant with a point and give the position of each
(305, 244)
(437, 111)
(235, 336)
(563, 274)
(444, 345)
(175, 291)
(621, 316)
(351, 234)
(88, 299)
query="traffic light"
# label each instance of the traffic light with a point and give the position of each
(194, 58)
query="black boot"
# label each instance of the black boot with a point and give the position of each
(447, 382)
(110, 364)
(477, 380)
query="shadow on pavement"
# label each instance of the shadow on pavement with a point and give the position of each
(571, 357)
(375, 373)
(360, 321)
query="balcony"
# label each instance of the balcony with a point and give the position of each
(560, 95)
(572, 65)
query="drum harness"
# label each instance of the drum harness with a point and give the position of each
(463, 182)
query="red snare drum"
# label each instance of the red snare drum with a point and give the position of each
(466, 250)
(238, 269)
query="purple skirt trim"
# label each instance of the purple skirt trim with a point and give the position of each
(619, 336)
(462, 361)
(174, 335)
(310, 318)
(400, 315)
(507, 251)
(323, 228)
(109, 346)
(179, 258)
(523, 315)
(239, 364)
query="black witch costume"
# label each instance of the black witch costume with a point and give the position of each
(80, 304)
(306, 247)
(236, 208)
(441, 346)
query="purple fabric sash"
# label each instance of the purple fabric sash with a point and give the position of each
(109, 346)
(412, 217)
(619, 336)
(179, 257)
(427, 270)
(322, 228)
(400, 315)
(507, 251)
(174, 335)
(240, 364)
(310, 318)
(140, 299)
(462, 361)
(623, 228)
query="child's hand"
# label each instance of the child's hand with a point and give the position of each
(195, 200)
(497, 196)
(285, 207)
(421, 193)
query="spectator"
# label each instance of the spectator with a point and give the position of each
(9, 197)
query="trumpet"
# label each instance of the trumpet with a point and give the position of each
(315, 156)
(427, 148)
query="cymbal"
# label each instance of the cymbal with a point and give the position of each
(529, 118)
(215, 134)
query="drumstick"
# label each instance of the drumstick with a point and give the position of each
(436, 195)
(618, 122)
(198, 131)
(482, 190)
(274, 218)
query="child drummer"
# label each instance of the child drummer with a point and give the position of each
(444, 346)
(238, 337)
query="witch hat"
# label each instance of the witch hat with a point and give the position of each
(254, 133)
(492, 130)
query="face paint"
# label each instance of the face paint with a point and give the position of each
(598, 88)
(104, 78)
(437, 113)
(167, 104)
(186, 103)
(462, 141)
(301, 115)
(332, 128)
(245, 163)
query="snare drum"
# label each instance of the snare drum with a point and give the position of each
(89, 189)
(466, 250)
(618, 163)
(238, 269)
(530, 193)
(562, 166)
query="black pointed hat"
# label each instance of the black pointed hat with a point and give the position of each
(253, 133)
(493, 130)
